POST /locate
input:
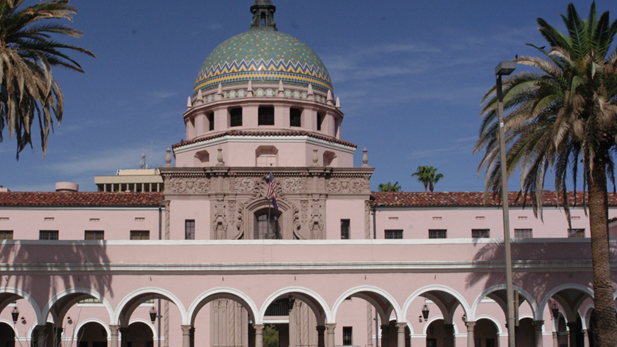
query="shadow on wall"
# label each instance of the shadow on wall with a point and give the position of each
(43, 271)
(530, 260)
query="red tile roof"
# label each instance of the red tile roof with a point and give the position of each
(81, 199)
(470, 199)
(266, 133)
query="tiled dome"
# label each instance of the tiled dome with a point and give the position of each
(263, 55)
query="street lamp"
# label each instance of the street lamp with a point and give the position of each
(153, 312)
(15, 314)
(503, 69)
(425, 312)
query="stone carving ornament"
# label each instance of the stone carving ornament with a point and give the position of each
(347, 185)
(219, 224)
(293, 185)
(184, 185)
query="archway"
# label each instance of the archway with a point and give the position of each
(139, 334)
(486, 333)
(91, 334)
(298, 314)
(228, 318)
(374, 302)
(525, 333)
(7, 335)
(564, 303)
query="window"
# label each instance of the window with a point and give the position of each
(235, 117)
(295, 117)
(48, 235)
(266, 115)
(89, 301)
(265, 230)
(94, 235)
(437, 234)
(6, 234)
(394, 234)
(140, 235)
(320, 118)
(347, 336)
(523, 233)
(211, 121)
(266, 156)
(480, 233)
(576, 233)
(344, 229)
(189, 229)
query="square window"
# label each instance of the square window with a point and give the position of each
(189, 229)
(48, 234)
(235, 117)
(295, 117)
(437, 234)
(344, 229)
(347, 336)
(6, 234)
(523, 233)
(266, 115)
(576, 233)
(211, 121)
(394, 234)
(94, 235)
(480, 233)
(140, 235)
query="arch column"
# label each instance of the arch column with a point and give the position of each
(330, 334)
(385, 335)
(572, 334)
(259, 335)
(39, 332)
(585, 338)
(124, 336)
(538, 330)
(449, 332)
(555, 339)
(320, 336)
(114, 335)
(186, 335)
(471, 341)
(400, 327)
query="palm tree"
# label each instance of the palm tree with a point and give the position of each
(27, 54)
(428, 176)
(389, 187)
(564, 118)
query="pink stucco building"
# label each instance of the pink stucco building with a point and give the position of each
(209, 261)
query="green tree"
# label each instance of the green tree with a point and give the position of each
(564, 119)
(27, 55)
(428, 176)
(389, 187)
(271, 336)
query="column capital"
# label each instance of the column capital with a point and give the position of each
(259, 328)
(320, 329)
(330, 326)
(538, 322)
(470, 324)
(401, 325)
(385, 326)
(585, 332)
(186, 329)
(115, 328)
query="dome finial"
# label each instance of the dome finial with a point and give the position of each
(263, 15)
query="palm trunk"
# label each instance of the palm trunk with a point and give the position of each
(600, 255)
(425, 187)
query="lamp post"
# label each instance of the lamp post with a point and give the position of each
(503, 69)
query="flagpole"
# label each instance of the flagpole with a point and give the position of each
(269, 203)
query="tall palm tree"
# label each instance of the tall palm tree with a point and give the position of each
(389, 187)
(428, 176)
(564, 118)
(27, 54)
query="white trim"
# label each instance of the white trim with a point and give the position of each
(222, 290)
(276, 321)
(14, 327)
(27, 297)
(149, 290)
(440, 288)
(376, 290)
(460, 241)
(79, 290)
(289, 290)
(549, 295)
(78, 326)
(283, 138)
(530, 299)
(492, 319)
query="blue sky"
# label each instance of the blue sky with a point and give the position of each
(410, 76)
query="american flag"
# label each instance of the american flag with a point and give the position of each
(271, 194)
(271, 187)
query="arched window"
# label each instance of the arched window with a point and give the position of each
(263, 20)
(266, 156)
(265, 230)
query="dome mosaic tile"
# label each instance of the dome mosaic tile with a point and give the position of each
(265, 56)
